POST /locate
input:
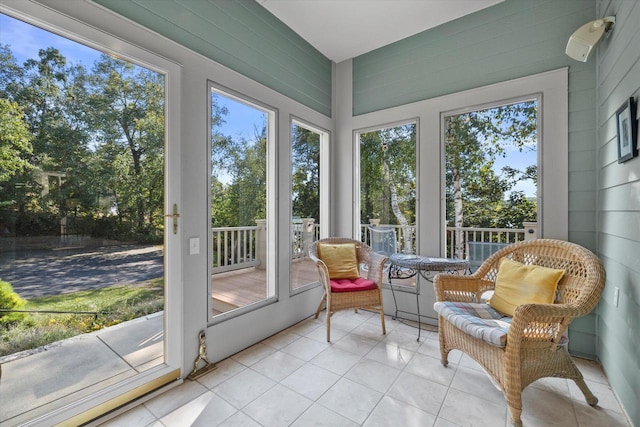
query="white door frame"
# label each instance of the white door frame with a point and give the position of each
(112, 396)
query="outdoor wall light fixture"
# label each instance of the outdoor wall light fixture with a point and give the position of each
(583, 42)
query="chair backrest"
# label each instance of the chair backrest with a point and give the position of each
(584, 277)
(362, 249)
(383, 240)
(478, 252)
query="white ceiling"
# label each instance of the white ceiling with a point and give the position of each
(343, 29)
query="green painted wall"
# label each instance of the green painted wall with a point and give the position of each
(618, 78)
(243, 36)
(512, 39)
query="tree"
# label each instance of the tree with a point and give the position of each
(473, 141)
(15, 151)
(392, 149)
(128, 105)
(238, 172)
(305, 176)
(11, 73)
(249, 187)
(46, 89)
(101, 135)
(387, 177)
(15, 141)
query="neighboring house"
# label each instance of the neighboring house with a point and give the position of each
(49, 180)
(248, 51)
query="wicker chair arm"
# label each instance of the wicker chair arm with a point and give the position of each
(323, 271)
(452, 287)
(541, 322)
(532, 312)
(314, 258)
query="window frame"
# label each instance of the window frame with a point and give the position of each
(357, 221)
(271, 190)
(537, 97)
(324, 167)
(550, 89)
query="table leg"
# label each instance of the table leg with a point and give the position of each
(395, 302)
(418, 307)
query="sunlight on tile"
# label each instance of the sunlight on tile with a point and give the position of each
(295, 378)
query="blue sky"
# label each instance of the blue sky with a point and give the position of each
(518, 160)
(25, 40)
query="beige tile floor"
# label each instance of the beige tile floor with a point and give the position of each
(296, 378)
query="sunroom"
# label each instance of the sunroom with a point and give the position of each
(240, 53)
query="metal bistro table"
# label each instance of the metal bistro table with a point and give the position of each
(406, 266)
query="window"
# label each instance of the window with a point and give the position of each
(388, 182)
(240, 178)
(308, 214)
(491, 174)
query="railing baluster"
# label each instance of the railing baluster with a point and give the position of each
(245, 253)
(235, 246)
(252, 238)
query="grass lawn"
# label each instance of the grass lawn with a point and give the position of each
(114, 304)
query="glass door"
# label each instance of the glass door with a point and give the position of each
(84, 284)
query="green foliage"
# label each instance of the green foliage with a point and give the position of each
(474, 191)
(396, 148)
(305, 174)
(37, 224)
(239, 172)
(10, 300)
(102, 132)
(15, 141)
(129, 119)
(114, 304)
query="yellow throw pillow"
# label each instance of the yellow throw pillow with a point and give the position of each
(341, 259)
(518, 284)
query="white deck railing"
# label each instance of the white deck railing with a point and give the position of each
(471, 234)
(454, 235)
(241, 247)
(303, 233)
(234, 248)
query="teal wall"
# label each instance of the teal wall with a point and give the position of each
(618, 78)
(243, 36)
(512, 39)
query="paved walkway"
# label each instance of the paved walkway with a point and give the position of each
(37, 273)
(69, 370)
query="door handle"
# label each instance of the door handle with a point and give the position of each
(175, 215)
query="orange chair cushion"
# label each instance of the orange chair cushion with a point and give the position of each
(519, 283)
(352, 285)
(341, 259)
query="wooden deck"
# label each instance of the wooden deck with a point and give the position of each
(239, 288)
(247, 286)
